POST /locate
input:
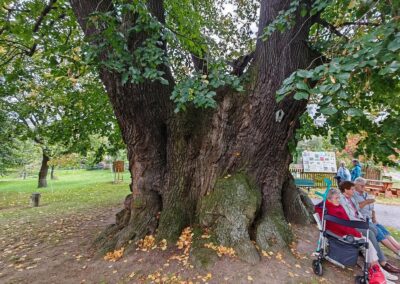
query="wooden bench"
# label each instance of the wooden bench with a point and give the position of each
(396, 192)
(381, 187)
(308, 183)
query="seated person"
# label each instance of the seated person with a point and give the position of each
(367, 210)
(353, 212)
(334, 208)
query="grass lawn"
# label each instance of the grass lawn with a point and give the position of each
(73, 191)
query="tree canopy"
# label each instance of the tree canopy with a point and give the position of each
(353, 82)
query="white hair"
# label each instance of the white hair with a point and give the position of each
(332, 193)
(360, 180)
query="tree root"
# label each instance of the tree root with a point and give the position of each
(229, 211)
(272, 230)
(132, 224)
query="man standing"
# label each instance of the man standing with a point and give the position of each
(356, 171)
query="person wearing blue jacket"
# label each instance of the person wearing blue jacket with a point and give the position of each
(356, 171)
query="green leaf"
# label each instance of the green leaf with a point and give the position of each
(343, 77)
(303, 11)
(124, 78)
(393, 67)
(325, 100)
(301, 96)
(394, 45)
(354, 112)
(302, 86)
(328, 110)
(305, 74)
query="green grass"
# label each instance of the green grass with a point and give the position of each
(394, 232)
(73, 191)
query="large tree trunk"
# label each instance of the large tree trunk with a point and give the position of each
(224, 169)
(44, 168)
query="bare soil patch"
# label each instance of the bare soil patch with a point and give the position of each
(58, 250)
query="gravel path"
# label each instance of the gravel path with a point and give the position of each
(387, 215)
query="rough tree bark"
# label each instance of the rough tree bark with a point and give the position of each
(44, 168)
(187, 168)
(52, 176)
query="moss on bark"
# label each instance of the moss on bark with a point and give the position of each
(172, 221)
(273, 230)
(229, 211)
(200, 256)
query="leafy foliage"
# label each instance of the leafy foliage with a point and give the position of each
(48, 93)
(356, 89)
(193, 49)
(145, 59)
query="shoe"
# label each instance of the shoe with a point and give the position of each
(389, 276)
(376, 275)
(391, 268)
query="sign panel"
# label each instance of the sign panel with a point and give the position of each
(319, 162)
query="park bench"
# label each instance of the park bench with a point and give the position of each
(300, 182)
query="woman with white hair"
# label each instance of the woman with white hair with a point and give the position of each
(366, 205)
(343, 173)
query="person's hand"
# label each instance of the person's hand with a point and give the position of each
(370, 201)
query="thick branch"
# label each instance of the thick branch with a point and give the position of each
(331, 28)
(83, 9)
(45, 11)
(241, 63)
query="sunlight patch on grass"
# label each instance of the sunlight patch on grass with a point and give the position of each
(72, 192)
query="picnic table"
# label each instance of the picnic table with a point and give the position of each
(384, 187)
(301, 182)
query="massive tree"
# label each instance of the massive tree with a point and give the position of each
(209, 104)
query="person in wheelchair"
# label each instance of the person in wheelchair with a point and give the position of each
(334, 208)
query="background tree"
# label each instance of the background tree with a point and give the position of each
(7, 159)
(209, 104)
(50, 97)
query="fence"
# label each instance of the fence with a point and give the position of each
(318, 178)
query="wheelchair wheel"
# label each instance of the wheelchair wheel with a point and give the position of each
(317, 267)
(360, 280)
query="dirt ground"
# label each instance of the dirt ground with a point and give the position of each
(57, 250)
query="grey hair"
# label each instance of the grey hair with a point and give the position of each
(332, 192)
(360, 180)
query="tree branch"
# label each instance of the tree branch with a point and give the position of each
(331, 28)
(241, 63)
(45, 11)
(359, 24)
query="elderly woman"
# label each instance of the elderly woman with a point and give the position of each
(343, 173)
(333, 207)
(353, 212)
(366, 205)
